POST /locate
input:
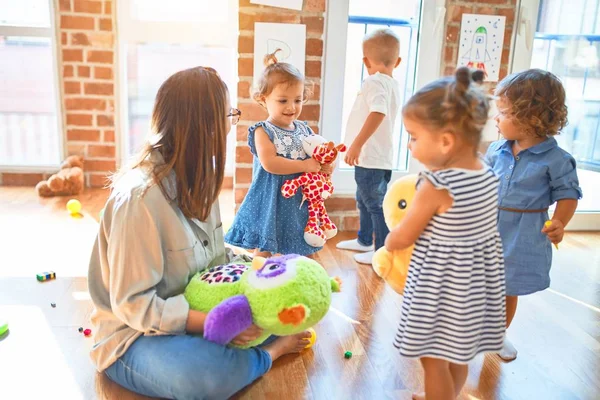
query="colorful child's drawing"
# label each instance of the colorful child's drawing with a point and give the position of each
(478, 55)
(481, 42)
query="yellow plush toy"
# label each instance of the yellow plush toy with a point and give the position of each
(393, 267)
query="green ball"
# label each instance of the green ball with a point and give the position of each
(3, 327)
(348, 354)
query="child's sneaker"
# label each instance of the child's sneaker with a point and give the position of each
(364, 258)
(508, 352)
(353, 245)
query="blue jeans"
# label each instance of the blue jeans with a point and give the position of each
(371, 185)
(187, 367)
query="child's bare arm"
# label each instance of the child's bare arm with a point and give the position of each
(565, 209)
(271, 162)
(369, 127)
(428, 201)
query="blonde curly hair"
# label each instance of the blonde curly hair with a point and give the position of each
(537, 101)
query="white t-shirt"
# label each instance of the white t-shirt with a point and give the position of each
(379, 93)
(490, 131)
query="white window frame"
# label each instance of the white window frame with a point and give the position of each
(133, 31)
(428, 68)
(53, 33)
(527, 18)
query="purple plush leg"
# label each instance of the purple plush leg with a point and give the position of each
(227, 320)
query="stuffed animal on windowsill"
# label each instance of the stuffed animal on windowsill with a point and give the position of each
(393, 266)
(316, 188)
(282, 295)
(66, 182)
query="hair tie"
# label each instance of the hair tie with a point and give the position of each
(271, 58)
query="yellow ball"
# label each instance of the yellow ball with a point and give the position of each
(312, 339)
(74, 206)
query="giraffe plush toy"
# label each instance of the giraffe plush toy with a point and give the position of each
(316, 188)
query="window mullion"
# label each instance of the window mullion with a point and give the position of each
(25, 31)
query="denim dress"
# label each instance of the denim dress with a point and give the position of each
(266, 220)
(533, 180)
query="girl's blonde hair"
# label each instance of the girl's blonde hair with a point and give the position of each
(277, 73)
(189, 130)
(537, 101)
(452, 104)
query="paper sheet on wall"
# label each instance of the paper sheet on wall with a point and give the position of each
(288, 40)
(293, 4)
(481, 42)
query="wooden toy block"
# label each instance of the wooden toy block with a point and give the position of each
(46, 276)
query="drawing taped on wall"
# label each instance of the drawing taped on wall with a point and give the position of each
(481, 42)
(287, 40)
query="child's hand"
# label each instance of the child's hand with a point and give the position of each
(311, 165)
(327, 169)
(555, 232)
(352, 155)
(252, 333)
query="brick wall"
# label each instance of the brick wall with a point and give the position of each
(454, 11)
(342, 209)
(86, 49)
(88, 63)
(312, 15)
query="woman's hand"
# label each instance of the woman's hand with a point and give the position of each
(250, 334)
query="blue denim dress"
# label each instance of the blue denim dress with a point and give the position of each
(533, 180)
(266, 220)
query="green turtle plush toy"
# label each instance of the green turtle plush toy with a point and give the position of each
(282, 295)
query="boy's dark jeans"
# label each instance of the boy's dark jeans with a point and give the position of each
(371, 185)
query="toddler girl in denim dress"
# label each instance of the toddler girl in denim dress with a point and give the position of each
(266, 221)
(534, 174)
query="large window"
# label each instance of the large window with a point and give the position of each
(420, 49)
(159, 38)
(564, 38)
(29, 118)
(567, 43)
(407, 30)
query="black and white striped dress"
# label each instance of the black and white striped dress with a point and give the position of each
(454, 306)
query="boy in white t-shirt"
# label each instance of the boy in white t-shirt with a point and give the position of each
(370, 142)
(490, 131)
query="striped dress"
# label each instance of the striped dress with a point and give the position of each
(453, 305)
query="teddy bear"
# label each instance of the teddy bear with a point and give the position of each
(316, 188)
(282, 295)
(393, 266)
(67, 181)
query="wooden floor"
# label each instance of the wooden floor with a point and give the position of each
(557, 332)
